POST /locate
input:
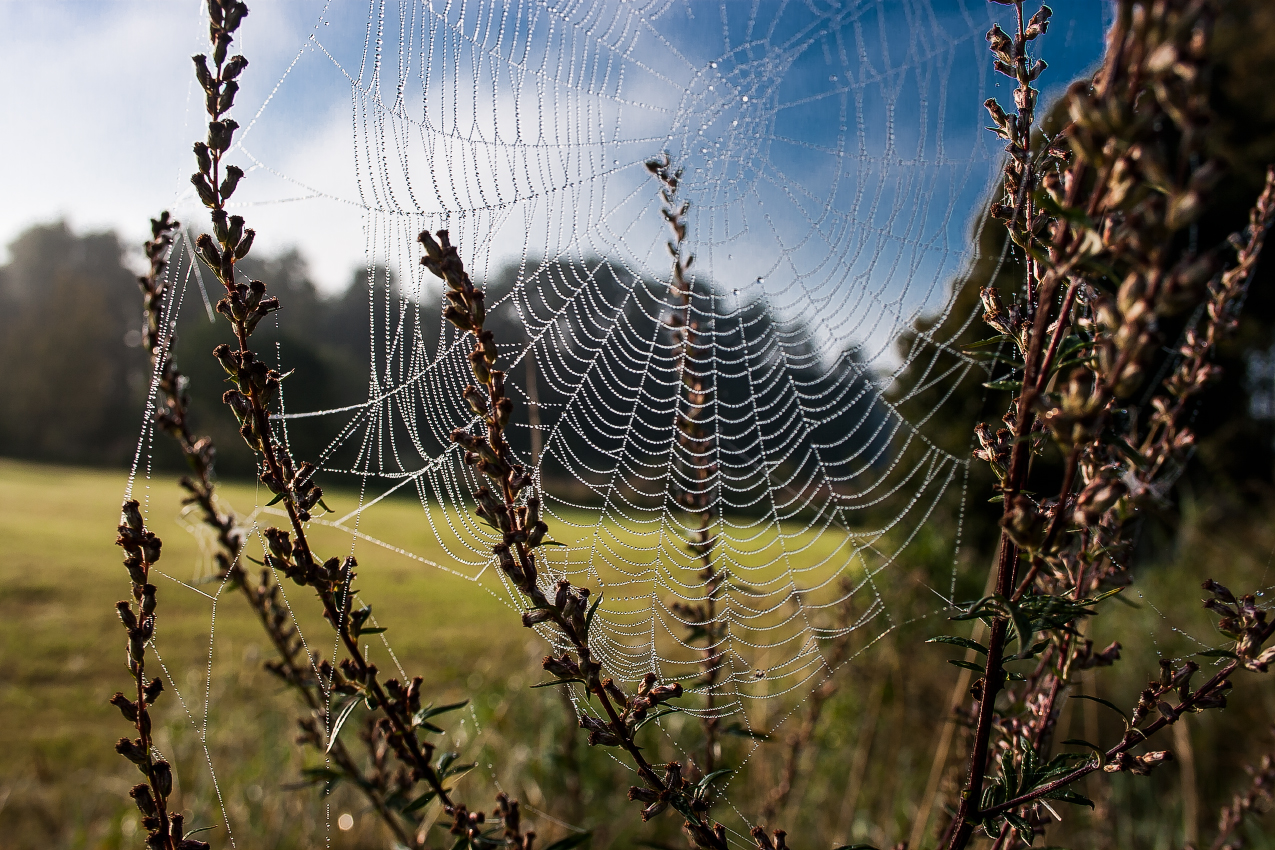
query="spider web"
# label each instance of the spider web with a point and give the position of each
(834, 162)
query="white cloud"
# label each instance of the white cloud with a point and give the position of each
(101, 110)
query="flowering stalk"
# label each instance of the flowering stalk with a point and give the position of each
(256, 389)
(697, 441)
(1097, 218)
(165, 831)
(510, 505)
(292, 665)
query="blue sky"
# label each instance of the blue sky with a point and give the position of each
(829, 148)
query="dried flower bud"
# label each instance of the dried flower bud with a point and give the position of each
(131, 750)
(536, 534)
(141, 794)
(233, 175)
(480, 366)
(536, 616)
(643, 795)
(1096, 499)
(487, 344)
(1000, 43)
(504, 407)
(234, 67)
(653, 810)
(477, 402)
(663, 693)
(126, 706)
(563, 667)
(245, 244)
(162, 773)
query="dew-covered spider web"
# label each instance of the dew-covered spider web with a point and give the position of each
(834, 161)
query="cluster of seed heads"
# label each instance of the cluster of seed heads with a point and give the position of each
(141, 551)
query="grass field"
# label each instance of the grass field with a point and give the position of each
(61, 656)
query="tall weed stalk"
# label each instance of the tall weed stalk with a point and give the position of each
(331, 693)
(1103, 214)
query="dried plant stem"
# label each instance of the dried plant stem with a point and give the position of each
(142, 550)
(1111, 760)
(172, 416)
(697, 441)
(512, 508)
(256, 389)
(1078, 541)
(1020, 182)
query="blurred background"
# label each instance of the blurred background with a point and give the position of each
(87, 165)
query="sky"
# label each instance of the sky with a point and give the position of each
(833, 148)
(101, 112)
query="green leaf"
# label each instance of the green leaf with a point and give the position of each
(1004, 384)
(993, 357)
(1075, 215)
(570, 841)
(375, 631)
(558, 682)
(967, 665)
(551, 543)
(323, 505)
(1034, 650)
(959, 641)
(276, 499)
(708, 780)
(1023, 631)
(1070, 361)
(1130, 453)
(1068, 796)
(1101, 596)
(1024, 829)
(431, 711)
(588, 618)
(1217, 653)
(419, 802)
(1102, 701)
(656, 716)
(982, 343)
(314, 775)
(1008, 774)
(456, 768)
(979, 610)
(350, 704)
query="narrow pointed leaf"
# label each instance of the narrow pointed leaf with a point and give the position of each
(1102, 701)
(959, 641)
(344, 715)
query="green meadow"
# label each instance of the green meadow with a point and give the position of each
(224, 718)
(62, 654)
